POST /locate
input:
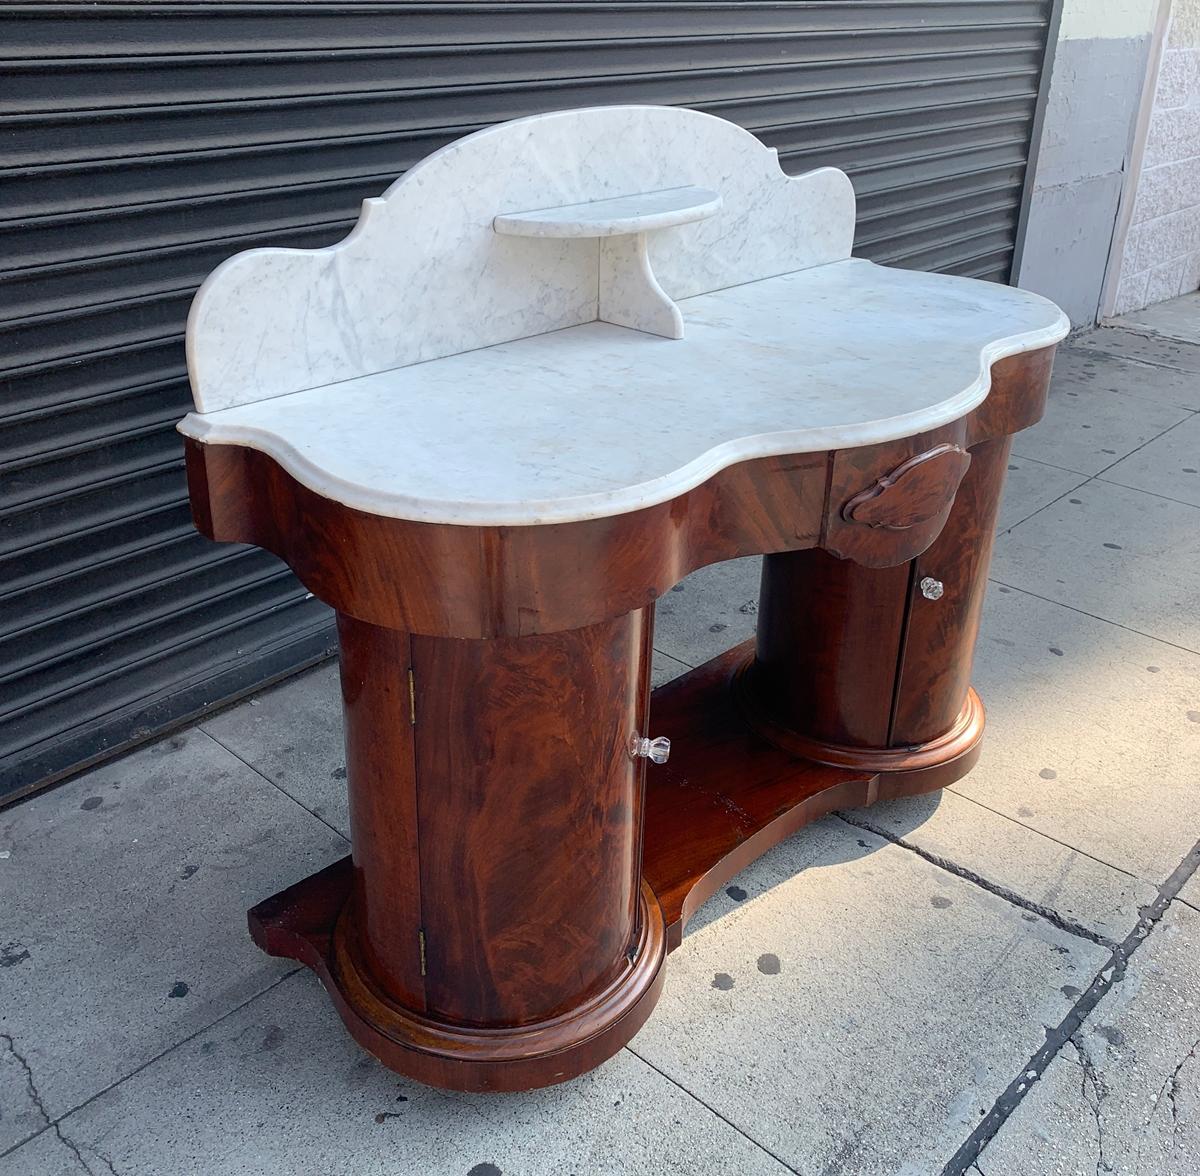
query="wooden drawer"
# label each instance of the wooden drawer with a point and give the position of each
(887, 503)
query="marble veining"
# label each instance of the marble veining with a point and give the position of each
(629, 293)
(425, 275)
(596, 419)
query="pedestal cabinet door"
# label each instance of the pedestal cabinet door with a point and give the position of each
(948, 586)
(529, 810)
(829, 638)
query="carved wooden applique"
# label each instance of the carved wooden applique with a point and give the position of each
(916, 491)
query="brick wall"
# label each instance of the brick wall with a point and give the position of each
(1096, 91)
(1161, 256)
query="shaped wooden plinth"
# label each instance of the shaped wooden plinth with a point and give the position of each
(312, 922)
(725, 797)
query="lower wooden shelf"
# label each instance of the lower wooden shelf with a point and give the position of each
(728, 793)
(725, 797)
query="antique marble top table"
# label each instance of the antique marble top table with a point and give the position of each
(558, 365)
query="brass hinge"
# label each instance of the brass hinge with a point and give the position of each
(421, 945)
(412, 698)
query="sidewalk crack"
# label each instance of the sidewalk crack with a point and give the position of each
(1101, 1091)
(1170, 1088)
(55, 1126)
(30, 1085)
(71, 1146)
(1110, 974)
(1070, 926)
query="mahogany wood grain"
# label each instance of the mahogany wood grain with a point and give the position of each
(855, 666)
(306, 922)
(914, 479)
(382, 781)
(939, 641)
(468, 581)
(471, 581)
(1016, 399)
(829, 638)
(912, 494)
(726, 795)
(530, 816)
(494, 924)
(949, 754)
(724, 798)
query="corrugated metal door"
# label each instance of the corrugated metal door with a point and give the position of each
(143, 143)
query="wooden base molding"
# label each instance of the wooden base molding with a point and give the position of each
(960, 745)
(727, 797)
(313, 922)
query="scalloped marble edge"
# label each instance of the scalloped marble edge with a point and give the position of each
(635, 497)
(424, 275)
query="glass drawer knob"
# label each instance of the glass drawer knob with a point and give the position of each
(657, 751)
(932, 589)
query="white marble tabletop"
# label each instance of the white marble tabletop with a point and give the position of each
(597, 419)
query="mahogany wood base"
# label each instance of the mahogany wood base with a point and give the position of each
(309, 922)
(962, 742)
(729, 792)
(726, 796)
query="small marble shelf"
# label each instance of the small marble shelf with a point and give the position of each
(639, 213)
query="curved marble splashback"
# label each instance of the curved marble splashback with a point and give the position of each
(424, 274)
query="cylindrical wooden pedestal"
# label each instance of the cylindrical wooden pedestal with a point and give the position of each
(498, 932)
(870, 667)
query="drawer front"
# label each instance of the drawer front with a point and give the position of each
(887, 503)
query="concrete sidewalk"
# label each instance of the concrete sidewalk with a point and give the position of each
(1002, 980)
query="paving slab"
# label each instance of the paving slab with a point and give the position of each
(1087, 427)
(1123, 1095)
(21, 1114)
(1029, 486)
(1190, 894)
(280, 1087)
(664, 667)
(1177, 318)
(709, 611)
(1007, 854)
(1146, 348)
(292, 734)
(856, 1009)
(1169, 465)
(1117, 553)
(46, 1155)
(1078, 364)
(125, 892)
(1089, 740)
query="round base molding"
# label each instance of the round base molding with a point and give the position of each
(958, 747)
(505, 1058)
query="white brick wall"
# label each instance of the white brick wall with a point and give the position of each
(1162, 252)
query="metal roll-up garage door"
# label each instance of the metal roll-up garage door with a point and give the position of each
(140, 144)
